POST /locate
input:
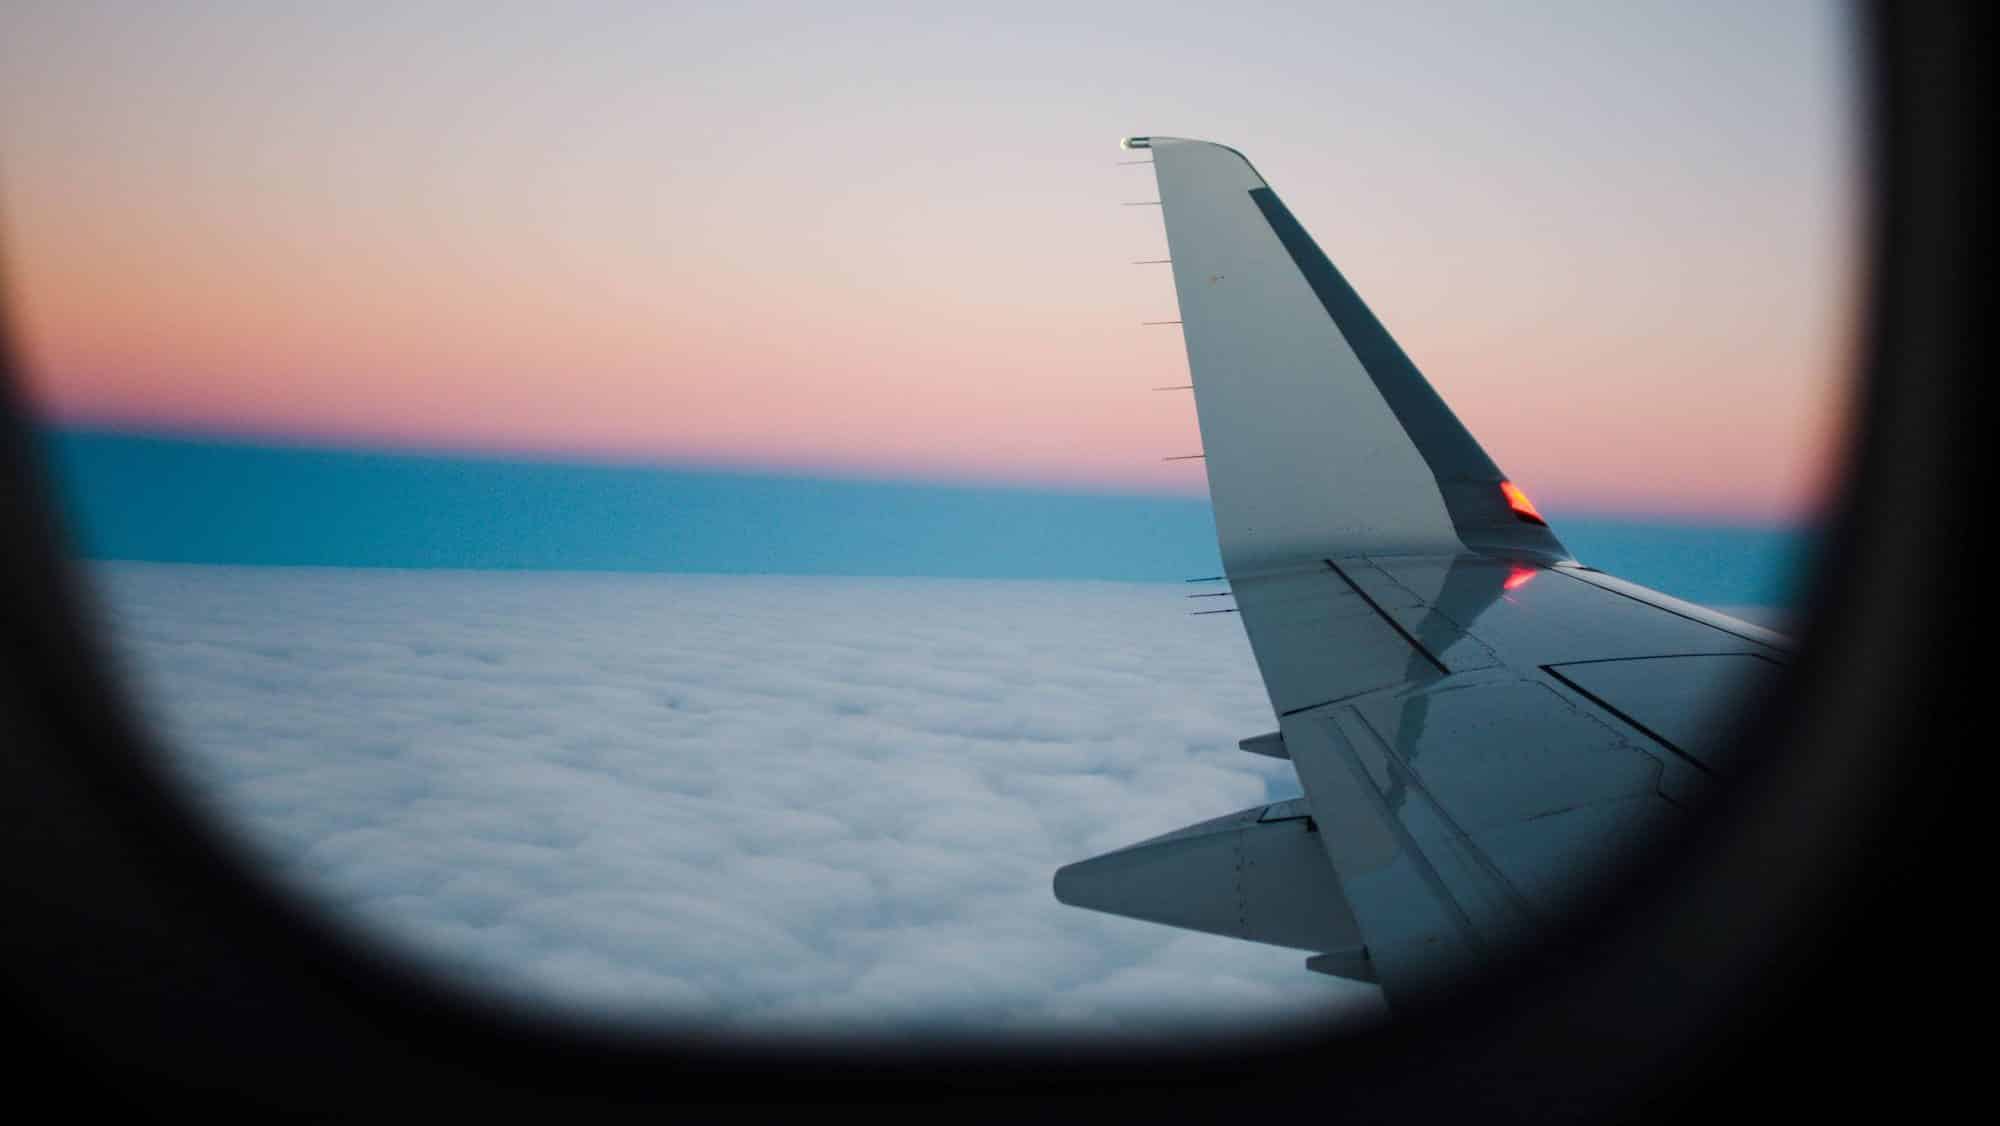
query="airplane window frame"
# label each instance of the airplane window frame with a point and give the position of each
(145, 957)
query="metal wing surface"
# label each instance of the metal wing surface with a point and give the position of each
(1477, 720)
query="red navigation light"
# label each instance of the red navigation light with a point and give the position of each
(1519, 502)
(1518, 577)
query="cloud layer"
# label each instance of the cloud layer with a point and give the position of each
(751, 805)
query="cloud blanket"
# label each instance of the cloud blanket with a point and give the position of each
(748, 805)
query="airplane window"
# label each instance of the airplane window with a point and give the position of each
(695, 517)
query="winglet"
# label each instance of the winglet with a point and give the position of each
(1322, 438)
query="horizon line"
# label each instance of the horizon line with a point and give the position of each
(364, 446)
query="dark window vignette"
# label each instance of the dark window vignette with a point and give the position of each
(140, 953)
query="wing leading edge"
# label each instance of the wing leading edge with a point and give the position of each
(1478, 721)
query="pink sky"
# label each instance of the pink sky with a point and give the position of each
(1620, 244)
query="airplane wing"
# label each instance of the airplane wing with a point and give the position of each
(1477, 720)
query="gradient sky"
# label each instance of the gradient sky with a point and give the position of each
(885, 240)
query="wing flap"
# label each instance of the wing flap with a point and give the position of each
(1476, 813)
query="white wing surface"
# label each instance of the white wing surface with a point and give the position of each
(1477, 720)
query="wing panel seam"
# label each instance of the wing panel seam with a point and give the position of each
(1384, 615)
(1554, 671)
(1464, 839)
(1405, 842)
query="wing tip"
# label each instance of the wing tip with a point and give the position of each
(1150, 142)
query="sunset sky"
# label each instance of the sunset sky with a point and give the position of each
(659, 509)
(886, 241)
